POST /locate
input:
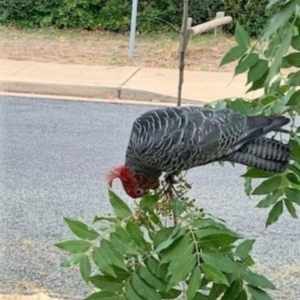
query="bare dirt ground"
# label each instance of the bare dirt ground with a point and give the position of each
(99, 48)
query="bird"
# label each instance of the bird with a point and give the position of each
(174, 139)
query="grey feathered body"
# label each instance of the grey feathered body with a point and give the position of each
(177, 139)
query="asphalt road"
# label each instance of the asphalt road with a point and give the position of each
(54, 156)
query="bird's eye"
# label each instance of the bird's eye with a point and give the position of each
(139, 192)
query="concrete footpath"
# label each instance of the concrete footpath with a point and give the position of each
(111, 82)
(38, 296)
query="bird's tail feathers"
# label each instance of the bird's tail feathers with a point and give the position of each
(261, 125)
(264, 154)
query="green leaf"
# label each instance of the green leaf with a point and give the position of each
(290, 207)
(137, 236)
(216, 291)
(107, 283)
(245, 63)
(240, 105)
(208, 231)
(170, 234)
(258, 294)
(102, 263)
(214, 274)
(120, 207)
(257, 280)
(194, 283)
(171, 294)
(293, 178)
(74, 246)
(104, 218)
(220, 104)
(121, 274)
(73, 260)
(85, 268)
(242, 296)
(275, 86)
(104, 296)
(155, 219)
(151, 279)
(293, 195)
(255, 173)
(283, 89)
(275, 213)
(124, 243)
(272, 3)
(223, 238)
(180, 269)
(294, 79)
(220, 261)
(131, 294)
(174, 252)
(281, 50)
(143, 289)
(295, 149)
(244, 248)
(200, 296)
(282, 16)
(248, 261)
(296, 42)
(294, 99)
(233, 54)
(295, 170)
(204, 223)
(81, 230)
(157, 269)
(259, 83)
(234, 290)
(148, 202)
(258, 70)
(248, 186)
(112, 255)
(178, 206)
(163, 235)
(268, 186)
(241, 36)
(293, 59)
(269, 199)
(272, 47)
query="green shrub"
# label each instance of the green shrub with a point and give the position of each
(252, 15)
(114, 15)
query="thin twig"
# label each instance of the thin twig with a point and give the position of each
(184, 39)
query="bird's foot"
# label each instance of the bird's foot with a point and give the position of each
(170, 178)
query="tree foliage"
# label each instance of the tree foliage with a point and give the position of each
(137, 256)
(271, 65)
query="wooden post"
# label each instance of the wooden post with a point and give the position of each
(218, 30)
(198, 29)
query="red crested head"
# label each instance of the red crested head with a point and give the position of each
(135, 185)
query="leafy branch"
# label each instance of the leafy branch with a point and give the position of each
(267, 63)
(140, 258)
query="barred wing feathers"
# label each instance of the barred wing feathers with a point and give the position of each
(176, 139)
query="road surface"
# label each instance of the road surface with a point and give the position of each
(54, 158)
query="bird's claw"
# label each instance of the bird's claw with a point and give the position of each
(170, 178)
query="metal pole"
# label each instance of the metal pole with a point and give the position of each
(133, 27)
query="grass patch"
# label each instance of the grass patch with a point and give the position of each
(101, 48)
